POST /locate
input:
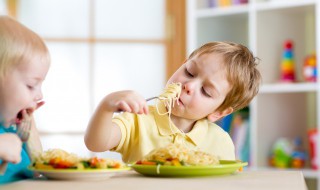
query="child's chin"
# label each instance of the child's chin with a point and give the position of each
(7, 124)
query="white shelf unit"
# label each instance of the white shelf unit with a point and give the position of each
(279, 110)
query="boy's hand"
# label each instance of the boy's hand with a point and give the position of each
(11, 146)
(127, 101)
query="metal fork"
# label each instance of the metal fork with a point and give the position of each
(23, 132)
(151, 98)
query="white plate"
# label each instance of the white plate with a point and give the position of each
(73, 174)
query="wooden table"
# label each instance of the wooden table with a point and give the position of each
(129, 180)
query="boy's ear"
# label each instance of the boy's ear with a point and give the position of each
(215, 116)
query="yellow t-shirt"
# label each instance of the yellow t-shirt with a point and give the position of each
(143, 133)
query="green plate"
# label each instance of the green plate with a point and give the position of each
(74, 174)
(225, 167)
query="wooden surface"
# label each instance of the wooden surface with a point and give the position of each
(246, 180)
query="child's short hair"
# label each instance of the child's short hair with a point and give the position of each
(242, 73)
(19, 44)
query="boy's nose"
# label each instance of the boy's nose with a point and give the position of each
(188, 88)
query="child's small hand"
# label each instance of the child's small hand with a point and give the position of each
(31, 110)
(127, 101)
(11, 146)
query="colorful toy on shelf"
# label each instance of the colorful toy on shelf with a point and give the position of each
(288, 153)
(224, 3)
(313, 140)
(298, 156)
(240, 134)
(281, 153)
(238, 2)
(310, 68)
(287, 63)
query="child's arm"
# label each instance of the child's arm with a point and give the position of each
(10, 150)
(102, 134)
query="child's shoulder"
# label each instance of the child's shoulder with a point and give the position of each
(215, 127)
(10, 129)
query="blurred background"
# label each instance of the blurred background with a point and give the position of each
(100, 46)
(97, 47)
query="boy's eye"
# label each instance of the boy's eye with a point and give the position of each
(204, 92)
(188, 73)
(30, 87)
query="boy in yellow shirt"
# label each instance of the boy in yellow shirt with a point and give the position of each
(217, 79)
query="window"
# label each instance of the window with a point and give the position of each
(102, 46)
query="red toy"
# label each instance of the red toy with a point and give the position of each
(313, 138)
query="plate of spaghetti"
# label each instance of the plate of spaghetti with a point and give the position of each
(178, 161)
(61, 165)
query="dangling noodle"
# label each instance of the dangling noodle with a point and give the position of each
(171, 94)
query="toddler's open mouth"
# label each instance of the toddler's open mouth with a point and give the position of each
(19, 117)
(22, 114)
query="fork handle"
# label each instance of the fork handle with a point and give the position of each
(3, 167)
(148, 99)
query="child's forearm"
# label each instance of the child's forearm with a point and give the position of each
(101, 134)
(10, 147)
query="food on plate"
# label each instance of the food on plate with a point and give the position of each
(178, 155)
(60, 159)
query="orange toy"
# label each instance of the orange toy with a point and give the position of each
(310, 68)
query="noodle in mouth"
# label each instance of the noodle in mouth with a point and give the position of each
(169, 96)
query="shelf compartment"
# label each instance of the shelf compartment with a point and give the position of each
(287, 115)
(231, 28)
(274, 27)
(276, 4)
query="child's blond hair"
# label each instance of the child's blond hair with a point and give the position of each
(242, 74)
(18, 44)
